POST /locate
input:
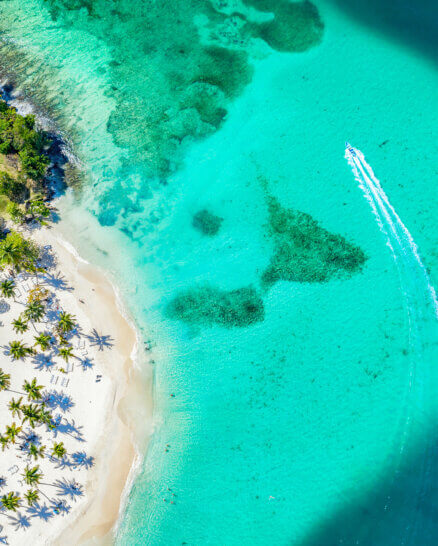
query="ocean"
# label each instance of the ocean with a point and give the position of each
(295, 375)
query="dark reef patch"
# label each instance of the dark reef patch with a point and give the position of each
(306, 252)
(207, 305)
(296, 26)
(176, 65)
(207, 223)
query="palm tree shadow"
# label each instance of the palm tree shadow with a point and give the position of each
(399, 509)
(413, 23)
(4, 306)
(57, 281)
(47, 259)
(100, 341)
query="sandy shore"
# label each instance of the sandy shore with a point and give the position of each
(113, 411)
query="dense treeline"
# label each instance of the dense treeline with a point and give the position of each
(19, 136)
(23, 166)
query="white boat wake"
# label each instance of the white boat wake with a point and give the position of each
(399, 240)
(421, 303)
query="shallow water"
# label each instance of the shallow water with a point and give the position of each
(302, 413)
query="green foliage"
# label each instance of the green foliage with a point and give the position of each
(32, 475)
(66, 322)
(38, 209)
(66, 353)
(10, 254)
(20, 325)
(15, 212)
(14, 189)
(32, 496)
(11, 501)
(32, 389)
(34, 311)
(15, 407)
(34, 450)
(19, 350)
(18, 135)
(12, 431)
(18, 252)
(6, 147)
(58, 450)
(34, 165)
(5, 380)
(7, 288)
(43, 340)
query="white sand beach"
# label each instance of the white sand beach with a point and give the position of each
(91, 397)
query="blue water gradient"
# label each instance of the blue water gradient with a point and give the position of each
(283, 430)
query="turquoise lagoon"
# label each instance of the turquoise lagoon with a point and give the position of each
(206, 134)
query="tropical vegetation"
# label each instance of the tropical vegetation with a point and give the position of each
(25, 160)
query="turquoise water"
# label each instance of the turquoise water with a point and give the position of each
(304, 407)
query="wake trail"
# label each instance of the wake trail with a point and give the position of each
(421, 303)
(399, 239)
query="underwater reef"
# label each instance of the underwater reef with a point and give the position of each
(207, 223)
(306, 252)
(169, 72)
(207, 305)
(178, 64)
(303, 252)
(295, 27)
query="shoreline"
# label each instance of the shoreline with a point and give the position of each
(126, 422)
(118, 457)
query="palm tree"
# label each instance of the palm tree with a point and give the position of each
(11, 501)
(43, 340)
(18, 350)
(47, 418)
(7, 289)
(4, 441)
(12, 431)
(34, 312)
(5, 381)
(15, 406)
(20, 325)
(35, 451)
(32, 389)
(32, 496)
(66, 353)
(62, 340)
(10, 254)
(32, 475)
(31, 413)
(58, 450)
(66, 322)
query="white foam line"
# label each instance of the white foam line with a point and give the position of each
(416, 287)
(381, 206)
